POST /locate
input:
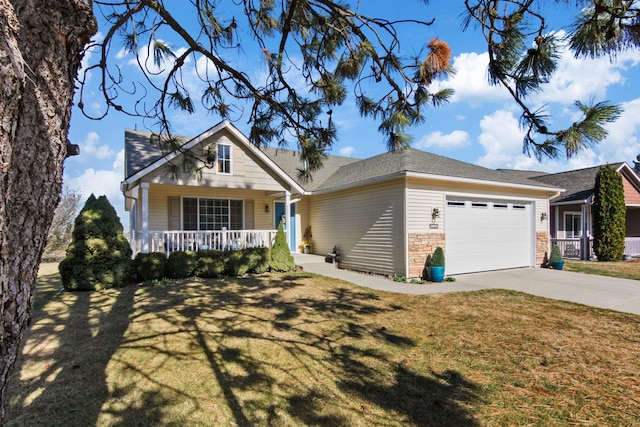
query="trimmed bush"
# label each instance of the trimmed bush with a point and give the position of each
(258, 260)
(210, 263)
(237, 263)
(281, 258)
(99, 256)
(181, 265)
(151, 266)
(609, 215)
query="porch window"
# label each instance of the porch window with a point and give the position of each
(572, 225)
(211, 214)
(224, 159)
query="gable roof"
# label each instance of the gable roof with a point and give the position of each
(135, 168)
(338, 172)
(579, 184)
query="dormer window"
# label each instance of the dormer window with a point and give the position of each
(224, 159)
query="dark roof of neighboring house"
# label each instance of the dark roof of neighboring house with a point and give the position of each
(579, 184)
(341, 171)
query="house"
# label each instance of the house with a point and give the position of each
(571, 220)
(386, 214)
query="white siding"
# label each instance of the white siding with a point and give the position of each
(247, 171)
(366, 224)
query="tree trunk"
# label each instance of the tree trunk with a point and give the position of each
(41, 47)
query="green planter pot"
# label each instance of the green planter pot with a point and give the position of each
(436, 274)
(557, 265)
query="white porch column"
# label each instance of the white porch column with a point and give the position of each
(287, 216)
(585, 250)
(145, 217)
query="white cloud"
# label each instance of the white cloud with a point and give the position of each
(456, 139)
(470, 81)
(347, 151)
(89, 149)
(585, 78)
(623, 142)
(103, 182)
(502, 139)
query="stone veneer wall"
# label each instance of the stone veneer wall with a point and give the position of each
(422, 245)
(542, 247)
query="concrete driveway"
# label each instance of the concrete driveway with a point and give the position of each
(597, 291)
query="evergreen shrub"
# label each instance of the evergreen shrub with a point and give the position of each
(151, 266)
(181, 265)
(281, 258)
(99, 256)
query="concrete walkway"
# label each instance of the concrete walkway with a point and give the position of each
(596, 291)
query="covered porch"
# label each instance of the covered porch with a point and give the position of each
(168, 218)
(578, 248)
(172, 241)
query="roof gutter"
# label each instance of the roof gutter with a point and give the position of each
(554, 190)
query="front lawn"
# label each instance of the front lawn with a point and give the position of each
(622, 269)
(299, 349)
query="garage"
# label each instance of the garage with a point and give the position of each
(483, 235)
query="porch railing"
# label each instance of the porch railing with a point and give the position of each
(632, 246)
(572, 248)
(172, 241)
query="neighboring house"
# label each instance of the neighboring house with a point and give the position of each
(385, 214)
(571, 221)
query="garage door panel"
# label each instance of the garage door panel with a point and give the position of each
(494, 236)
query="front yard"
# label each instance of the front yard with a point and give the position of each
(302, 350)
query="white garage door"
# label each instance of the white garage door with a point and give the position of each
(483, 235)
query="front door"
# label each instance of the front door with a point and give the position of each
(289, 223)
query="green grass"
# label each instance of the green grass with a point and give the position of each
(622, 269)
(299, 349)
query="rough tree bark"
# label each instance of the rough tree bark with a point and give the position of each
(41, 46)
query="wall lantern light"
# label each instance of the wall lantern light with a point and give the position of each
(266, 208)
(543, 216)
(435, 213)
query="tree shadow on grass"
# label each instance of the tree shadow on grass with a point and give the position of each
(271, 350)
(72, 339)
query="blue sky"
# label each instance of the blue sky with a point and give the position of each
(479, 125)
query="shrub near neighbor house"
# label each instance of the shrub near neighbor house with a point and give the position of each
(99, 255)
(609, 215)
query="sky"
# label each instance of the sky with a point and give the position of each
(479, 125)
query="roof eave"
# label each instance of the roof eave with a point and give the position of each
(438, 178)
(483, 181)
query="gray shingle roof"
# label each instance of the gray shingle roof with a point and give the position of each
(579, 183)
(421, 162)
(140, 152)
(341, 171)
